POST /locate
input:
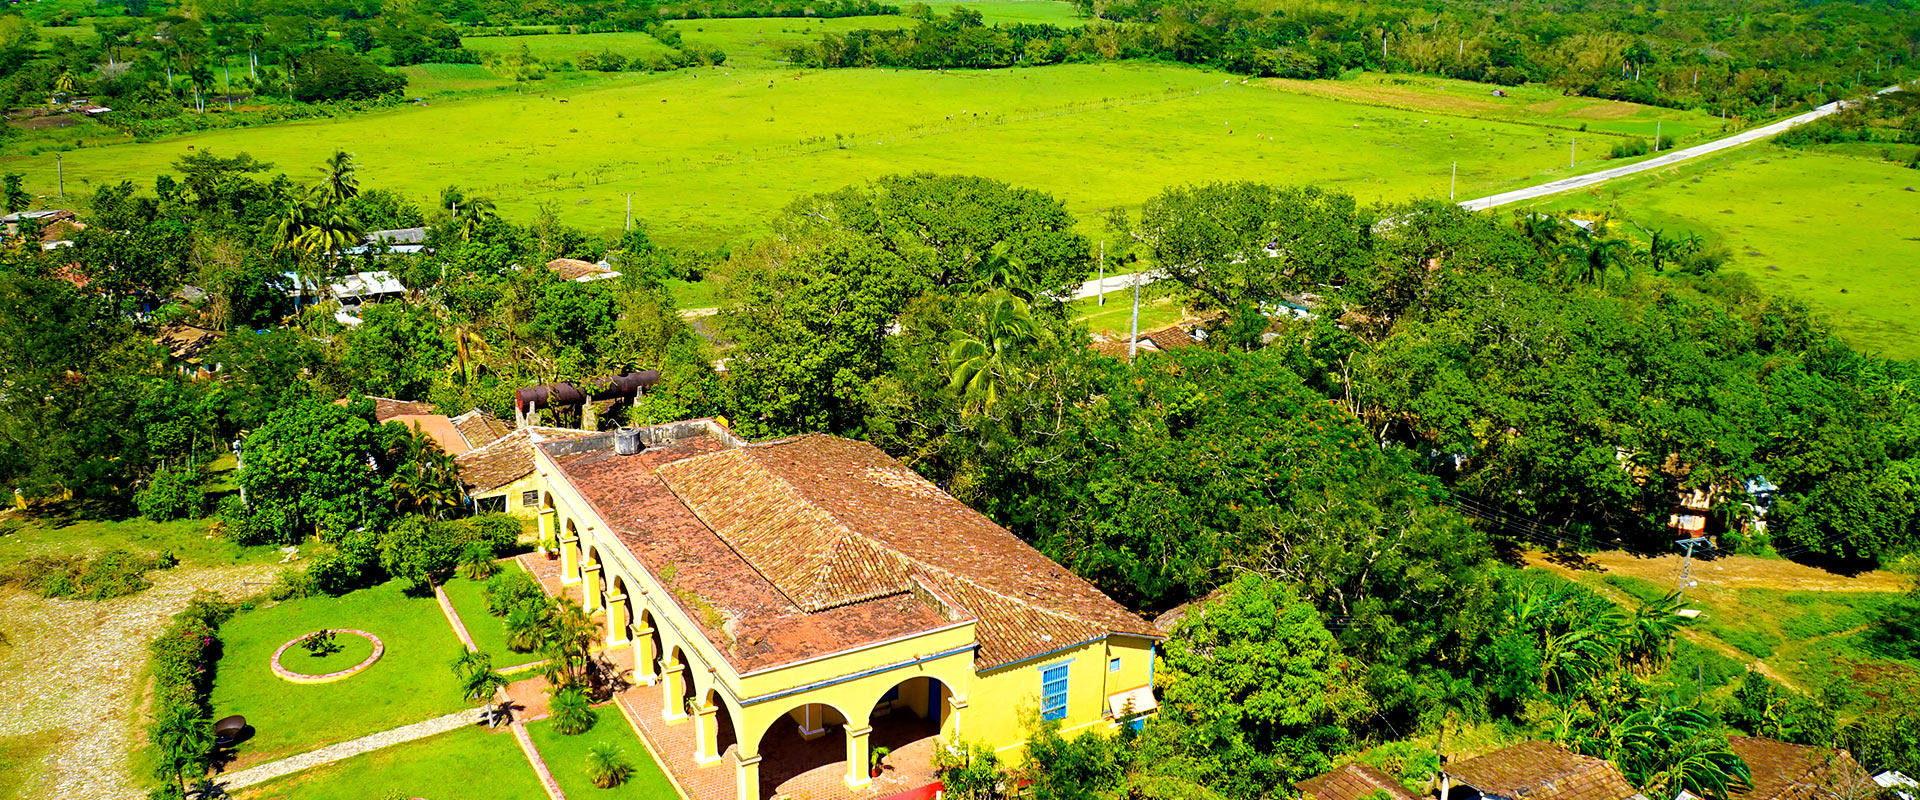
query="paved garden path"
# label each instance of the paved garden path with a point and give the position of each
(539, 764)
(453, 618)
(348, 749)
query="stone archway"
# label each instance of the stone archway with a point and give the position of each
(811, 744)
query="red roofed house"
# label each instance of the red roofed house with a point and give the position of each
(790, 605)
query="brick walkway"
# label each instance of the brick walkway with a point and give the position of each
(453, 618)
(539, 764)
(348, 749)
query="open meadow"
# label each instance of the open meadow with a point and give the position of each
(709, 154)
(1836, 231)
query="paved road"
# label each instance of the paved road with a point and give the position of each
(1669, 159)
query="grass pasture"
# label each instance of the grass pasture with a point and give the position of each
(708, 154)
(469, 763)
(552, 47)
(410, 683)
(762, 41)
(431, 80)
(1537, 104)
(1835, 231)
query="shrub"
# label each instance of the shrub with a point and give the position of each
(351, 565)
(290, 584)
(172, 494)
(499, 532)
(115, 573)
(1629, 149)
(417, 549)
(320, 643)
(607, 766)
(510, 590)
(571, 713)
(181, 660)
(476, 562)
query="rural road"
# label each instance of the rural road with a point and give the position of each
(1113, 283)
(1671, 158)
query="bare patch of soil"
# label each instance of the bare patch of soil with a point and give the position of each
(1737, 572)
(75, 671)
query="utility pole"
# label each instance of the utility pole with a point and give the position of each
(629, 211)
(1686, 566)
(1133, 340)
(1103, 275)
(60, 171)
(1573, 151)
(1453, 180)
(1656, 136)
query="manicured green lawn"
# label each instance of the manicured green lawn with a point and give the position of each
(488, 631)
(353, 650)
(1834, 231)
(466, 764)
(410, 683)
(566, 758)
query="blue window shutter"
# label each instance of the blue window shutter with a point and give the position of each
(1053, 692)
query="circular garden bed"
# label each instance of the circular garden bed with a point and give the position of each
(358, 651)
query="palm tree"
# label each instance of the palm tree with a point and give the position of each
(183, 742)
(338, 184)
(470, 214)
(981, 362)
(570, 711)
(568, 646)
(1646, 636)
(470, 350)
(526, 627)
(478, 682)
(1703, 765)
(425, 479)
(607, 766)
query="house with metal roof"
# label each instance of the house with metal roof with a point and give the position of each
(787, 606)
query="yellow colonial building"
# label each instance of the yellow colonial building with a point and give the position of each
(779, 596)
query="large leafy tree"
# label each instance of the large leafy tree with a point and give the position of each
(396, 351)
(1257, 685)
(315, 466)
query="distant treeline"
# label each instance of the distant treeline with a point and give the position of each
(1740, 59)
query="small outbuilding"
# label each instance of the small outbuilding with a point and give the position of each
(1535, 770)
(1352, 782)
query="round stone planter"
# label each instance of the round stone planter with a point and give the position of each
(379, 649)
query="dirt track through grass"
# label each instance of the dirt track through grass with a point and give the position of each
(76, 676)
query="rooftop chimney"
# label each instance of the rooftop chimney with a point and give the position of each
(626, 441)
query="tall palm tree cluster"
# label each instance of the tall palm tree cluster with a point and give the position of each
(1588, 253)
(315, 227)
(424, 480)
(1587, 654)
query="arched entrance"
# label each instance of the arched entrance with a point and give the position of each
(808, 745)
(678, 689)
(570, 554)
(594, 596)
(715, 732)
(908, 720)
(648, 652)
(619, 613)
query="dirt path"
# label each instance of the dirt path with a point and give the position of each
(75, 670)
(1625, 601)
(1735, 572)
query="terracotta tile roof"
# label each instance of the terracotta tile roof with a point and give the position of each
(506, 459)
(1109, 349)
(1537, 770)
(1352, 782)
(185, 342)
(438, 428)
(572, 268)
(386, 408)
(480, 427)
(1784, 771)
(1168, 338)
(810, 533)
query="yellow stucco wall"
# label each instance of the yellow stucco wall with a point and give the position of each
(513, 493)
(1005, 697)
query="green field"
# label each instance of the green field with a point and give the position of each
(470, 763)
(1538, 104)
(553, 47)
(1838, 232)
(709, 154)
